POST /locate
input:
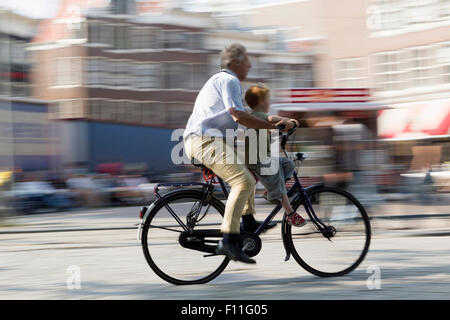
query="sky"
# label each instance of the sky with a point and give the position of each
(39, 9)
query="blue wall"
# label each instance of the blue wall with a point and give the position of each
(130, 144)
(35, 129)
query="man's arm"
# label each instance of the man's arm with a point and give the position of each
(278, 119)
(274, 118)
(250, 121)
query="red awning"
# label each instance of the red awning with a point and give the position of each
(415, 120)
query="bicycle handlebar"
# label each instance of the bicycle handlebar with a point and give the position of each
(282, 126)
(285, 136)
(290, 131)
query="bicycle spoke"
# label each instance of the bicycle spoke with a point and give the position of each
(349, 236)
(164, 228)
(183, 261)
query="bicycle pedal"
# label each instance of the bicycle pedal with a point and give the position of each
(210, 255)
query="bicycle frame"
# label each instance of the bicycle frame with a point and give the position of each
(297, 187)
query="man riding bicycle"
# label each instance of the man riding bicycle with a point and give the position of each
(219, 107)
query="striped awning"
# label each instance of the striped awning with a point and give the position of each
(415, 120)
(323, 99)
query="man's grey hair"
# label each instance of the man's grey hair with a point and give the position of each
(230, 53)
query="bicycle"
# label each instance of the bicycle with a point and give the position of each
(195, 232)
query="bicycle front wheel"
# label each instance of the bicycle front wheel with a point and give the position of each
(161, 239)
(341, 253)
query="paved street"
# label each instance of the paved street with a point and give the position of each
(37, 250)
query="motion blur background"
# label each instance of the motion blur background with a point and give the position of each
(90, 91)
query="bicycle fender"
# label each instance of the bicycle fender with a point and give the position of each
(296, 198)
(283, 236)
(141, 222)
(315, 186)
(152, 207)
(147, 213)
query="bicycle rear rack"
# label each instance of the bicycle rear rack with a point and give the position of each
(177, 185)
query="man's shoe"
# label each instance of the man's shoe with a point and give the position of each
(230, 247)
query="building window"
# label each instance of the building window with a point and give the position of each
(200, 75)
(146, 75)
(136, 41)
(389, 74)
(258, 69)
(18, 53)
(402, 15)
(144, 38)
(195, 40)
(80, 31)
(420, 11)
(411, 67)
(391, 14)
(68, 71)
(107, 34)
(121, 38)
(421, 67)
(176, 75)
(350, 73)
(303, 75)
(134, 112)
(122, 6)
(93, 71)
(95, 111)
(94, 35)
(120, 110)
(444, 61)
(444, 10)
(175, 39)
(178, 114)
(69, 109)
(109, 72)
(113, 73)
(121, 74)
(4, 51)
(153, 113)
(291, 76)
(280, 76)
(107, 110)
(213, 64)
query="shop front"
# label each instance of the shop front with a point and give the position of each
(417, 136)
(338, 132)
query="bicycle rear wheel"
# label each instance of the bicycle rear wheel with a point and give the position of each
(347, 248)
(161, 239)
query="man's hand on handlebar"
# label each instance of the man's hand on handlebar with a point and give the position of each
(296, 123)
(292, 124)
(285, 125)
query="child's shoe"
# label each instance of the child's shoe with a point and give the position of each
(296, 220)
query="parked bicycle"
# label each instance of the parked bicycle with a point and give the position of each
(179, 231)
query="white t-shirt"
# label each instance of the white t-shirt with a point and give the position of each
(212, 107)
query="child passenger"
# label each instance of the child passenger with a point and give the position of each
(257, 98)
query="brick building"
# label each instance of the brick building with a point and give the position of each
(122, 75)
